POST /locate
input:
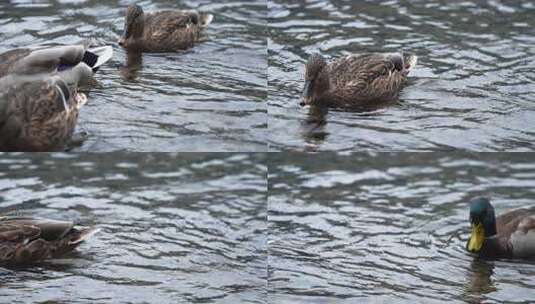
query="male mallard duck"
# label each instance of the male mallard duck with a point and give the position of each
(39, 99)
(355, 80)
(28, 240)
(511, 235)
(164, 31)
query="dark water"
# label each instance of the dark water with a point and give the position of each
(391, 228)
(176, 228)
(473, 87)
(210, 98)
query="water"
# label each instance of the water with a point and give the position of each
(472, 89)
(209, 98)
(391, 228)
(176, 228)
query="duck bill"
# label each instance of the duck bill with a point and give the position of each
(123, 38)
(306, 97)
(476, 238)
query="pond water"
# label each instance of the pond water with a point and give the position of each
(209, 98)
(473, 87)
(175, 228)
(391, 228)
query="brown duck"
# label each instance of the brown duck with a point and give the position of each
(27, 240)
(355, 80)
(39, 98)
(165, 31)
(510, 235)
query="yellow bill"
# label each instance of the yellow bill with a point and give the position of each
(476, 238)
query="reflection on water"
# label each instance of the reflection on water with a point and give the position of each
(479, 281)
(391, 227)
(472, 88)
(313, 127)
(209, 98)
(134, 63)
(176, 228)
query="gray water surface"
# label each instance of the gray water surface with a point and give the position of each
(391, 228)
(209, 98)
(473, 87)
(175, 228)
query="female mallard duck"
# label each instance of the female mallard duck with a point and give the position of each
(39, 98)
(355, 80)
(511, 235)
(29, 240)
(164, 31)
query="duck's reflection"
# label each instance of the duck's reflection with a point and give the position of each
(313, 128)
(134, 62)
(479, 280)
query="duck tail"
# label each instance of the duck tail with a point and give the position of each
(205, 19)
(95, 57)
(83, 235)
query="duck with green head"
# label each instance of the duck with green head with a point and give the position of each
(510, 235)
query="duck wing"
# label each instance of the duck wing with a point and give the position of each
(517, 228)
(9, 58)
(28, 239)
(523, 238)
(46, 60)
(166, 22)
(367, 76)
(12, 231)
(507, 223)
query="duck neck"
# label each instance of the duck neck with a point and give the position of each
(137, 31)
(496, 247)
(489, 225)
(322, 85)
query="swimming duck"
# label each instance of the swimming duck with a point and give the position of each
(39, 98)
(511, 235)
(164, 31)
(355, 80)
(28, 240)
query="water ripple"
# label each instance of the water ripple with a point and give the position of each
(175, 227)
(187, 101)
(390, 227)
(472, 89)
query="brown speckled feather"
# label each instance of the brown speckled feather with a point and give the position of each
(163, 31)
(8, 59)
(34, 117)
(170, 31)
(28, 240)
(39, 99)
(366, 78)
(355, 80)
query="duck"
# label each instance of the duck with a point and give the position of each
(163, 31)
(28, 240)
(510, 235)
(355, 80)
(39, 98)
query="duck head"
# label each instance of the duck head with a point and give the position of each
(316, 80)
(482, 221)
(133, 26)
